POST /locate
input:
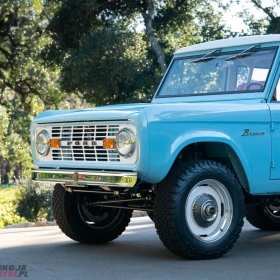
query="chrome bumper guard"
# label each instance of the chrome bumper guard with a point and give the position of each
(85, 177)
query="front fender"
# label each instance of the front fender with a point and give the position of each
(163, 154)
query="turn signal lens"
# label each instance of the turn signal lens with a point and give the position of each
(109, 143)
(55, 143)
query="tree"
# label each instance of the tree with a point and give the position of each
(22, 38)
(269, 24)
(109, 60)
(26, 84)
(14, 152)
(271, 16)
(76, 17)
(89, 35)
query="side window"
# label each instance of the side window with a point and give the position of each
(276, 94)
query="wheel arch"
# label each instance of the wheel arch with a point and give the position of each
(220, 150)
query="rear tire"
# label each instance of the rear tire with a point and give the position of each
(85, 223)
(264, 217)
(199, 210)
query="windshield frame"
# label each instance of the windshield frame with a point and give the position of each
(218, 54)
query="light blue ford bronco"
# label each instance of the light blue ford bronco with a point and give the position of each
(201, 156)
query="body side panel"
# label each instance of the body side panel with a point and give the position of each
(174, 126)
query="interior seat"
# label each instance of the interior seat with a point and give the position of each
(256, 85)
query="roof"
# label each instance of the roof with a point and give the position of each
(232, 42)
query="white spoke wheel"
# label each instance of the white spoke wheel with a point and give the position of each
(199, 210)
(209, 210)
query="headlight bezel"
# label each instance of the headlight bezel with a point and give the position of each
(47, 135)
(132, 141)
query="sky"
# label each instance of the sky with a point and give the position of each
(234, 22)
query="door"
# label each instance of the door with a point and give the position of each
(274, 105)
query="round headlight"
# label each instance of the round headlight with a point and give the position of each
(125, 142)
(43, 143)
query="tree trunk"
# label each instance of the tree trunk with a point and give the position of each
(148, 20)
(5, 177)
(1, 172)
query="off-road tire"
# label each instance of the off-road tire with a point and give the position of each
(169, 209)
(259, 217)
(69, 220)
(151, 215)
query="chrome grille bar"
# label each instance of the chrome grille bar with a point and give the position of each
(84, 134)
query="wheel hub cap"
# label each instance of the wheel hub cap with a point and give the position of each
(209, 210)
(205, 210)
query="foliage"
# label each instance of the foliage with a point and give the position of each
(4, 122)
(22, 39)
(8, 215)
(26, 84)
(268, 24)
(33, 200)
(112, 55)
(17, 153)
(105, 61)
(24, 202)
(14, 143)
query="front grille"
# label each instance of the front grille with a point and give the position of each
(84, 134)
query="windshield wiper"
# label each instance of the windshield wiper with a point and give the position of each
(206, 57)
(243, 53)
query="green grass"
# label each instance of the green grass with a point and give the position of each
(8, 204)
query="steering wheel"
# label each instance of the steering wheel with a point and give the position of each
(254, 84)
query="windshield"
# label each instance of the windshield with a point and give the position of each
(220, 73)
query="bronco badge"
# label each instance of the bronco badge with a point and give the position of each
(247, 132)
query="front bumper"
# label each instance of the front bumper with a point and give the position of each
(85, 177)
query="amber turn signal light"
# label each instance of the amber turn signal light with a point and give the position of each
(55, 143)
(109, 143)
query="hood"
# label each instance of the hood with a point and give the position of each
(109, 112)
